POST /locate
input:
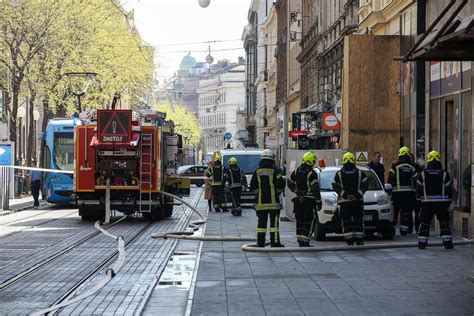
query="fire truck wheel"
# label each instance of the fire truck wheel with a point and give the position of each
(158, 213)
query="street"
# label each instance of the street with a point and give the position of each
(52, 256)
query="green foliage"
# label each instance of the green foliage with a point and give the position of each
(47, 38)
(186, 123)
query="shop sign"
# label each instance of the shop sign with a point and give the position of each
(330, 121)
(296, 133)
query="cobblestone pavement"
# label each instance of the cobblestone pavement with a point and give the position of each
(403, 281)
(124, 294)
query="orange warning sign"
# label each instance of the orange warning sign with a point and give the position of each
(114, 126)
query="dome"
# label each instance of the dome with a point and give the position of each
(188, 62)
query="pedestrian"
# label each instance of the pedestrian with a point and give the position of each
(350, 184)
(267, 183)
(36, 176)
(434, 189)
(417, 208)
(236, 179)
(377, 166)
(303, 181)
(402, 176)
(208, 187)
(216, 174)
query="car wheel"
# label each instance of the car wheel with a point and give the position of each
(388, 231)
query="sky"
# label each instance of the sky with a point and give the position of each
(182, 22)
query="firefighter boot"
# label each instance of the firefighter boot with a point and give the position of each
(422, 243)
(448, 242)
(304, 244)
(277, 245)
(238, 211)
(350, 241)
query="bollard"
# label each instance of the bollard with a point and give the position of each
(5, 188)
(107, 201)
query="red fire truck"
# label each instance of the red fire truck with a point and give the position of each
(131, 158)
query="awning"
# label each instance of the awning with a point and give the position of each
(132, 144)
(453, 41)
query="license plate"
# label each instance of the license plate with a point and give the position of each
(367, 218)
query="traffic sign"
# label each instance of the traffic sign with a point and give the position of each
(114, 125)
(361, 157)
(227, 136)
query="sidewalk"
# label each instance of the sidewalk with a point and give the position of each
(20, 204)
(386, 281)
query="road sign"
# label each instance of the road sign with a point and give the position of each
(114, 125)
(361, 157)
(227, 136)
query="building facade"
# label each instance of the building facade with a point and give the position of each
(325, 24)
(221, 106)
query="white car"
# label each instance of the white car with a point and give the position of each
(378, 210)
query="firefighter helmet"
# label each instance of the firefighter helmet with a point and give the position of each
(309, 158)
(348, 158)
(217, 157)
(268, 154)
(404, 151)
(434, 155)
(232, 161)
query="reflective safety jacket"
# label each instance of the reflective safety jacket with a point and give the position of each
(350, 184)
(434, 185)
(267, 183)
(235, 177)
(216, 174)
(304, 182)
(402, 176)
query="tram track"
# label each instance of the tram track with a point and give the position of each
(12, 280)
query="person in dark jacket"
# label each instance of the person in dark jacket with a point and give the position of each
(236, 179)
(303, 181)
(217, 174)
(350, 184)
(434, 189)
(402, 176)
(377, 166)
(267, 183)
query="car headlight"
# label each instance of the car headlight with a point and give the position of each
(330, 201)
(382, 200)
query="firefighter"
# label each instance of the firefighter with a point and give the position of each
(236, 179)
(304, 183)
(350, 184)
(434, 189)
(267, 183)
(216, 174)
(402, 176)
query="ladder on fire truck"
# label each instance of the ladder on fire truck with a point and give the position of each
(146, 161)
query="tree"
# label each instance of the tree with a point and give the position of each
(186, 123)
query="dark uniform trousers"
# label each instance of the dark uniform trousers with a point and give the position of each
(35, 188)
(218, 197)
(305, 215)
(352, 214)
(440, 209)
(404, 202)
(236, 194)
(262, 226)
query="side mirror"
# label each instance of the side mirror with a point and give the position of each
(388, 187)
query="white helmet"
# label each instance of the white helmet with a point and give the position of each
(268, 154)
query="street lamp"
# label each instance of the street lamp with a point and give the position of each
(20, 114)
(204, 3)
(36, 116)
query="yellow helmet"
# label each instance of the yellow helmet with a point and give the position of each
(217, 157)
(348, 158)
(309, 158)
(232, 161)
(434, 155)
(404, 151)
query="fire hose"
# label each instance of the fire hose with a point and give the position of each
(194, 225)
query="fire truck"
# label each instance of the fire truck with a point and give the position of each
(123, 160)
